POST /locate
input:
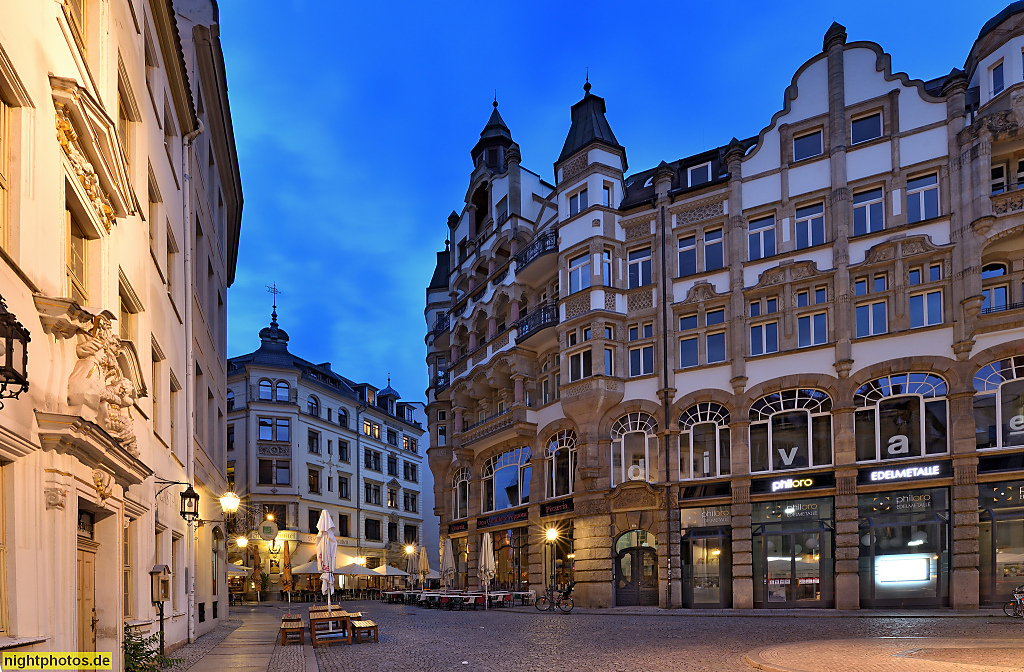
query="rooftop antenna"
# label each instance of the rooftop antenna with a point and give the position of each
(586, 86)
(495, 99)
(272, 289)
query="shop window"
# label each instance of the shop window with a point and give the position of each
(704, 441)
(511, 559)
(1000, 539)
(999, 404)
(634, 449)
(560, 466)
(460, 493)
(901, 416)
(791, 429)
(506, 480)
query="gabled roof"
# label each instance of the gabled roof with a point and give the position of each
(589, 125)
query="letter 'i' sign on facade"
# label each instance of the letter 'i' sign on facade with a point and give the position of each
(899, 445)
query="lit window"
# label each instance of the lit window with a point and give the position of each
(791, 429)
(704, 441)
(901, 416)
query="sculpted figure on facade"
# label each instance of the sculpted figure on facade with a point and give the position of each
(97, 389)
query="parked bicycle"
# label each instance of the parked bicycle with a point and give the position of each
(554, 598)
(1015, 607)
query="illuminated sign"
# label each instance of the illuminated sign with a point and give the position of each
(503, 518)
(906, 473)
(789, 484)
(555, 508)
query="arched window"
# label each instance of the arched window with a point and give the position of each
(282, 391)
(704, 441)
(634, 448)
(560, 466)
(231, 400)
(507, 480)
(999, 404)
(901, 416)
(993, 270)
(343, 417)
(791, 429)
(995, 291)
(460, 493)
(266, 391)
(313, 406)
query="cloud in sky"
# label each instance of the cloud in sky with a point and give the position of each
(354, 123)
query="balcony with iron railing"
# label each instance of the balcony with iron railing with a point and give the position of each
(466, 426)
(441, 325)
(1000, 307)
(441, 381)
(545, 243)
(543, 316)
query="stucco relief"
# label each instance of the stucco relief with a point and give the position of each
(83, 168)
(56, 498)
(97, 389)
(577, 305)
(701, 291)
(699, 212)
(633, 496)
(639, 301)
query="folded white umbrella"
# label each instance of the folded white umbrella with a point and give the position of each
(447, 562)
(388, 570)
(424, 566)
(412, 565)
(326, 552)
(485, 568)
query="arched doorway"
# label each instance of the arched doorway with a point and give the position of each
(636, 569)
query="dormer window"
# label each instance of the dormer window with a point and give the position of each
(578, 203)
(699, 174)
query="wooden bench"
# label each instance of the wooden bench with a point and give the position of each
(292, 631)
(329, 627)
(359, 628)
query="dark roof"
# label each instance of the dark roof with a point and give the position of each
(589, 125)
(1008, 11)
(638, 192)
(440, 278)
(495, 133)
(389, 391)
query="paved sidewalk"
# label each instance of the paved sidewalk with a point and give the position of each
(249, 642)
(896, 654)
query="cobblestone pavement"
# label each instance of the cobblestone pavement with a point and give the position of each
(190, 654)
(524, 640)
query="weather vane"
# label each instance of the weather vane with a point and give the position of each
(272, 289)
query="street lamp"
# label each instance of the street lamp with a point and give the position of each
(14, 356)
(229, 502)
(552, 535)
(242, 542)
(190, 505)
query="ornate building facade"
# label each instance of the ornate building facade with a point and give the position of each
(120, 209)
(785, 372)
(303, 439)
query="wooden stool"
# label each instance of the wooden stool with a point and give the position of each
(292, 631)
(364, 627)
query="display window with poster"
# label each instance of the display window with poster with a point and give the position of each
(793, 553)
(1000, 539)
(705, 547)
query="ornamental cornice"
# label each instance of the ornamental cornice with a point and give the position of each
(692, 212)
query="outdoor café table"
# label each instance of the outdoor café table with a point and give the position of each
(522, 595)
(430, 599)
(496, 597)
(394, 595)
(334, 625)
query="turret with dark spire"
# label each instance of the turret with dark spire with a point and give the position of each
(589, 126)
(494, 141)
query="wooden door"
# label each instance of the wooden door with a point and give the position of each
(86, 601)
(636, 577)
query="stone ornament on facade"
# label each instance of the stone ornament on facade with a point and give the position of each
(640, 301)
(97, 388)
(634, 496)
(103, 484)
(83, 168)
(701, 290)
(699, 212)
(56, 498)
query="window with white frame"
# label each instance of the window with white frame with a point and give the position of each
(696, 175)
(560, 465)
(761, 238)
(704, 441)
(265, 390)
(922, 198)
(996, 78)
(807, 146)
(863, 129)
(283, 393)
(999, 404)
(606, 268)
(641, 360)
(791, 429)
(634, 448)
(639, 266)
(578, 203)
(579, 273)
(812, 329)
(606, 195)
(687, 256)
(764, 338)
(901, 416)
(506, 480)
(580, 365)
(998, 181)
(810, 226)
(714, 250)
(868, 212)
(994, 294)
(926, 309)
(609, 362)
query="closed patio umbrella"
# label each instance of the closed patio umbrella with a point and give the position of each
(424, 566)
(326, 551)
(447, 562)
(257, 575)
(485, 567)
(286, 573)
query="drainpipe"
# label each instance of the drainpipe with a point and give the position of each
(665, 401)
(190, 402)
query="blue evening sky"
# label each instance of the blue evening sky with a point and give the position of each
(354, 121)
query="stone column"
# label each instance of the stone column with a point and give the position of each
(518, 392)
(742, 544)
(472, 341)
(458, 419)
(847, 577)
(964, 584)
(492, 327)
(474, 221)
(737, 308)
(513, 307)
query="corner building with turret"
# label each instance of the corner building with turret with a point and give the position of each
(785, 372)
